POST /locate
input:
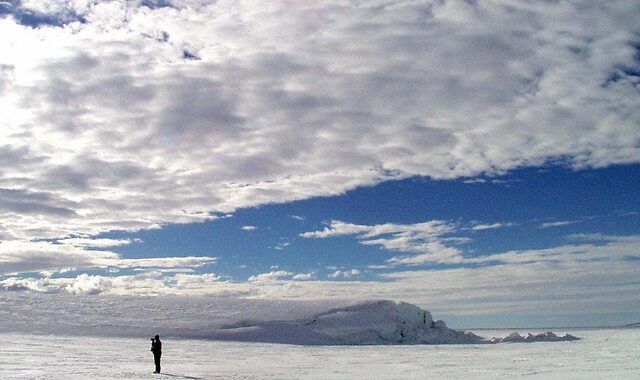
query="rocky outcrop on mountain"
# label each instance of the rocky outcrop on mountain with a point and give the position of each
(530, 338)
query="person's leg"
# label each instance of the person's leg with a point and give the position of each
(156, 359)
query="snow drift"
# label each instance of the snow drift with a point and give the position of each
(376, 322)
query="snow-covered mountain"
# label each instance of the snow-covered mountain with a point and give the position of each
(375, 322)
(368, 323)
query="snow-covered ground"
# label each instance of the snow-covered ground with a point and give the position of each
(56, 336)
(605, 353)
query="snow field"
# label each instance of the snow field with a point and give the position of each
(606, 353)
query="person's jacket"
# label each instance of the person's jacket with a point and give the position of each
(156, 347)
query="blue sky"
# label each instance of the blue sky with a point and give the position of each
(534, 208)
(477, 158)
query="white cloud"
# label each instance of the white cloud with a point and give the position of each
(428, 242)
(97, 243)
(434, 252)
(193, 282)
(559, 223)
(480, 227)
(18, 256)
(492, 181)
(271, 276)
(82, 284)
(110, 128)
(475, 180)
(606, 248)
(249, 228)
(160, 262)
(337, 228)
(303, 276)
(345, 273)
(596, 237)
(428, 229)
(282, 245)
(425, 242)
(144, 284)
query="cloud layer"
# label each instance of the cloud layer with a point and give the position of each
(130, 115)
(67, 254)
(575, 278)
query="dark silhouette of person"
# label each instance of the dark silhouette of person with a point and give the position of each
(156, 348)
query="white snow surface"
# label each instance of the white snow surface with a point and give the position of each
(600, 354)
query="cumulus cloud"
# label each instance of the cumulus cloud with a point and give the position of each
(271, 276)
(303, 276)
(82, 284)
(112, 125)
(150, 283)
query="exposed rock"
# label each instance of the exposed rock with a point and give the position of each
(530, 338)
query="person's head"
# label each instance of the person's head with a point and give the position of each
(157, 337)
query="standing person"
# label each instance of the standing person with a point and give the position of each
(156, 348)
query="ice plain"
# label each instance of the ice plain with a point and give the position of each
(600, 354)
(57, 336)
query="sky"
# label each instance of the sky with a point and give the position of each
(480, 159)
